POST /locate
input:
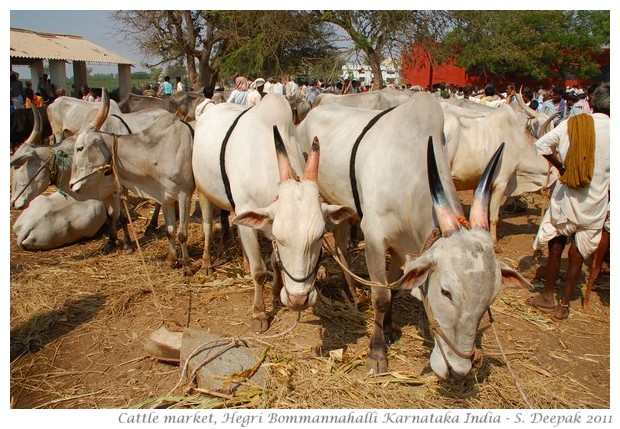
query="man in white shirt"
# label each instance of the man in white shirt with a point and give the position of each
(179, 86)
(579, 203)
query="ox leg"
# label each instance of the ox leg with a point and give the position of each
(207, 226)
(341, 235)
(249, 240)
(127, 244)
(225, 223)
(113, 212)
(152, 225)
(278, 282)
(170, 222)
(382, 306)
(185, 205)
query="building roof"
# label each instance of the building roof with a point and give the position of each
(29, 46)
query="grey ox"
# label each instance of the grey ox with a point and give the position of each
(237, 167)
(459, 275)
(36, 166)
(471, 138)
(155, 163)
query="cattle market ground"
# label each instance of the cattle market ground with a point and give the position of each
(79, 322)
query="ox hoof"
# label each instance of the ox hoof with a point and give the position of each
(391, 335)
(260, 325)
(108, 248)
(128, 248)
(376, 366)
(150, 231)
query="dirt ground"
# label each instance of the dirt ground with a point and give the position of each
(79, 321)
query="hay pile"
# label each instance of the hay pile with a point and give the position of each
(79, 321)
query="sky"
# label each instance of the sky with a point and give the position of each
(96, 26)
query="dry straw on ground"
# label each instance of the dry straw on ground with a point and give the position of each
(79, 321)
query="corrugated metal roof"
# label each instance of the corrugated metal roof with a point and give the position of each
(27, 44)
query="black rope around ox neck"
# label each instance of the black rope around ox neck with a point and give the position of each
(356, 195)
(223, 158)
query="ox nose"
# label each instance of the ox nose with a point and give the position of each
(297, 302)
(455, 375)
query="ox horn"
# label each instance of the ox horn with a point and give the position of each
(311, 170)
(37, 127)
(284, 163)
(543, 129)
(102, 113)
(528, 110)
(479, 212)
(448, 222)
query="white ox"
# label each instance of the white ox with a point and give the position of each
(472, 136)
(57, 220)
(36, 167)
(67, 115)
(155, 163)
(266, 195)
(459, 276)
(383, 99)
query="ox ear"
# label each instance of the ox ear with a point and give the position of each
(512, 279)
(337, 214)
(256, 218)
(415, 273)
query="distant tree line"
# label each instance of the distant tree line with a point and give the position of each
(206, 45)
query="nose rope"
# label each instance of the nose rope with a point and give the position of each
(105, 168)
(281, 265)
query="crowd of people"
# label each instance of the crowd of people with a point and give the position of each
(23, 95)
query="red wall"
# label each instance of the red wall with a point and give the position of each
(420, 73)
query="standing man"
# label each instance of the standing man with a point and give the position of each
(166, 87)
(579, 149)
(179, 86)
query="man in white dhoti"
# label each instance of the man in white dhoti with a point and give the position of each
(579, 149)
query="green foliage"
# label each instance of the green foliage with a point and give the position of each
(536, 44)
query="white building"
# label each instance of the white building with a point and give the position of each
(389, 71)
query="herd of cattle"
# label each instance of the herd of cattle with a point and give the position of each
(388, 160)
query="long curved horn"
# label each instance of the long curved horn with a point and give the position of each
(311, 170)
(479, 212)
(37, 127)
(528, 110)
(448, 223)
(543, 129)
(102, 113)
(284, 163)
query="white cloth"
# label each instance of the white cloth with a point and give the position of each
(180, 86)
(577, 210)
(278, 88)
(238, 97)
(254, 98)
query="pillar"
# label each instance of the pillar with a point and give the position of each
(80, 74)
(124, 80)
(58, 73)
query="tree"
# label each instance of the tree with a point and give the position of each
(381, 34)
(537, 44)
(214, 42)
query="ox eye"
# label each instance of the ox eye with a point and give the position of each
(79, 148)
(447, 294)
